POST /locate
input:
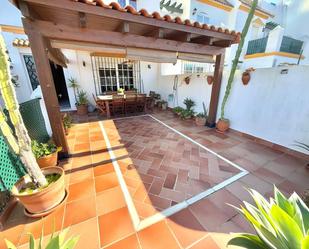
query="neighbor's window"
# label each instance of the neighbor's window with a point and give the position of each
(202, 17)
(32, 73)
(122, 3)
(113, 73)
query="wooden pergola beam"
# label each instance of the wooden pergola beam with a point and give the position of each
(63, 32)
(216, 86)
(124, 27)
(155, 33)
(124, 16)
(39, 51)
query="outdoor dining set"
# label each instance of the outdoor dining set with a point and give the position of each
(129, 102)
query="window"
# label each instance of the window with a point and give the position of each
(189, 67)
(202, 17)
(113, 73)
(29, 62)
(133, 3)
(122, 3)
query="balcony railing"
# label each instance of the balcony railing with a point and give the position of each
(291, 45)
(257, 46)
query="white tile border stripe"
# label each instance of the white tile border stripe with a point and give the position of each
(137, 223)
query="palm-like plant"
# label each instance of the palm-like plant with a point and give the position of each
(21, 142)
(73, 84)
(282, 223)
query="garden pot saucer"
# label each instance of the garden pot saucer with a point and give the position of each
(47, 212)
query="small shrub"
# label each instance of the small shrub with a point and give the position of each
(43, 149)
(201, 115)
(189, 103)
(81, 98)
(186, 114)
(67, 121)
(177, 109)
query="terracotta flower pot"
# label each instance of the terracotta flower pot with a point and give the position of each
(245, 78)
(200, 121)
(210, 79)
(48, 161)
(45, 199)
(187, 80)
(223, 125)
(82, 110)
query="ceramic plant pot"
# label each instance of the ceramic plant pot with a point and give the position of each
(44, 199)
(200, 121)
(223, 125)
(48, 161)
(245, 78)
(82, 109)
(210, 79)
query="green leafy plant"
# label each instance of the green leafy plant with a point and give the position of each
(43, 149)
(189, 103)
(67, 121)
(201, 115)
(186, 114)
(177, 109)
(55, 241)
(281, 223)
(237, 56)
(73, 84)
(81, 98)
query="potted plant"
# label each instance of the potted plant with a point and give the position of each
(40, 190)
(223, 123)
(163, 105)
(67, 123)
(200, 119)
(187, 114)
(73, 84)
(46, 154)
(177, 110)
(82, 103)
(120, 91)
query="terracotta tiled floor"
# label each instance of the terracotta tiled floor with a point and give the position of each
(96, 208)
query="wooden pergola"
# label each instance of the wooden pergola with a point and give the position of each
(93, 22)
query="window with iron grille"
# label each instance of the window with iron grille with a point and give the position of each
(110, 74)
(33, 76)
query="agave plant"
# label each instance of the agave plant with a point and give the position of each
(282, 223)
(55, 241)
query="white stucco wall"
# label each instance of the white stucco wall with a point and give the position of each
(272, 106)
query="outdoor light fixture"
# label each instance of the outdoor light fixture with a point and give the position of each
(284, 71)
(149, 66)
(84, 63)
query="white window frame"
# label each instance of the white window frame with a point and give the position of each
(204, 15)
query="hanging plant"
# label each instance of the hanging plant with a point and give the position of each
(210, 79)
(246, 76)
(187, 80)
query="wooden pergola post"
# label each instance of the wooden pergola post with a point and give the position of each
(39, 51)
(213, 107)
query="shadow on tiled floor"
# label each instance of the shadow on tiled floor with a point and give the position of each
(96, 208)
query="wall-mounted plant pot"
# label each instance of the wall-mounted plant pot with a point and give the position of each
(245, 78)
(82, 110)
(187, 80)
(223, 125)
(210, 79)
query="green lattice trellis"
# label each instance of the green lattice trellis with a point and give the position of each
(11, 168)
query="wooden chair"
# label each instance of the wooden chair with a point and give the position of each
(118, 104)
(150, 103)
(100, 104)
(141, 103)
(130, 103)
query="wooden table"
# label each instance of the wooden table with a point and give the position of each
(109, 98)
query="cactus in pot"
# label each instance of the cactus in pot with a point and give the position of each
(223, 123)
(20, 143)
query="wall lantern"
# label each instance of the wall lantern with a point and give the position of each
(194, 11)
(284, 71)
(84, 63)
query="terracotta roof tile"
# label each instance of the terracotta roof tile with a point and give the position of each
(18, 42)
(156, 15)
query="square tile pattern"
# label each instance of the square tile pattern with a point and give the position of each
(167, 168)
